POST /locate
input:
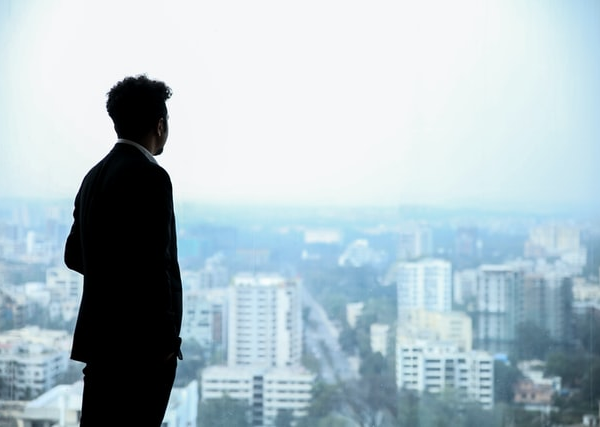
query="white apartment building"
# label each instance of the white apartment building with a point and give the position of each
(61, 406)
(425, 284)
(435, 367)
(453, 327)
(264, 321)
(265, 390)
(65, 287)
(379, 336)
(264, 349)
(205, 317)
(353, 312)
(554, 238)
(584, 291)
(31, 361)
(64, 283)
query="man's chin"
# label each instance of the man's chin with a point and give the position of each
(159, 152)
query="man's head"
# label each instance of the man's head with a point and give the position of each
(137, 107)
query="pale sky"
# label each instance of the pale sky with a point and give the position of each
(314, 102)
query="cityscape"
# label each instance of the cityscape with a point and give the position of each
(333, 316)
(387, 212)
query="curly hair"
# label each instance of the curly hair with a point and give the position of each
(135, 104)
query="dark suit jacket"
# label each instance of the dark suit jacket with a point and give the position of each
(123, 241)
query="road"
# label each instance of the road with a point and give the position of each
(322, 340)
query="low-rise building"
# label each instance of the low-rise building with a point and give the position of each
(379, 338)
(535, 392)
(435, 367)
(266, 390)
(61, 406)
(353, 312)
(31, 361)
(451, 326)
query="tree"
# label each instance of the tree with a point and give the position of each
(284, 418)
(371, 400)
(325, 399)
(223, 412)
(587, 332)
(408, 408)
(590, 384)
(532, 342)
(505, 377)
(331, 420)
(347, 340)
(569, 366)
(374, 364)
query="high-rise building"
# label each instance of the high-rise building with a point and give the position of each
(265, 321)
(548, 303)
(414, 241)
(264, 350)
(424, 284)
(496, 312)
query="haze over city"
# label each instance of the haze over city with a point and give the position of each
(386, 211)
(316, 102)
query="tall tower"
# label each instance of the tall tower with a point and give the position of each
(496, 313)
(265, 321)
(424, 284)
(547, 302)
(414, 241)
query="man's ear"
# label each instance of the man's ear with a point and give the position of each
(160, 126)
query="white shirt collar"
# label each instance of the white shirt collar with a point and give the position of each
(140, 147)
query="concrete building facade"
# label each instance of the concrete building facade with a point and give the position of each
(265, 321)
(437, 367)
(266, 390)
(424, 284)
(31, 361)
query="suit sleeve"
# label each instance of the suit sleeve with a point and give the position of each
(73, 255)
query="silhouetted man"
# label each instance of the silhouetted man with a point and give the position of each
(123, 242)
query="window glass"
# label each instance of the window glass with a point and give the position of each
(387, 212)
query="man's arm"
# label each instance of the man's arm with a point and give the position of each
(73, 255)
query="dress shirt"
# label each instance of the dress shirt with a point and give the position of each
(140, 147)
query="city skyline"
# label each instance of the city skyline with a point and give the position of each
(470, 104)
(312, 302)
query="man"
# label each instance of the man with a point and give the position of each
(123, 242)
